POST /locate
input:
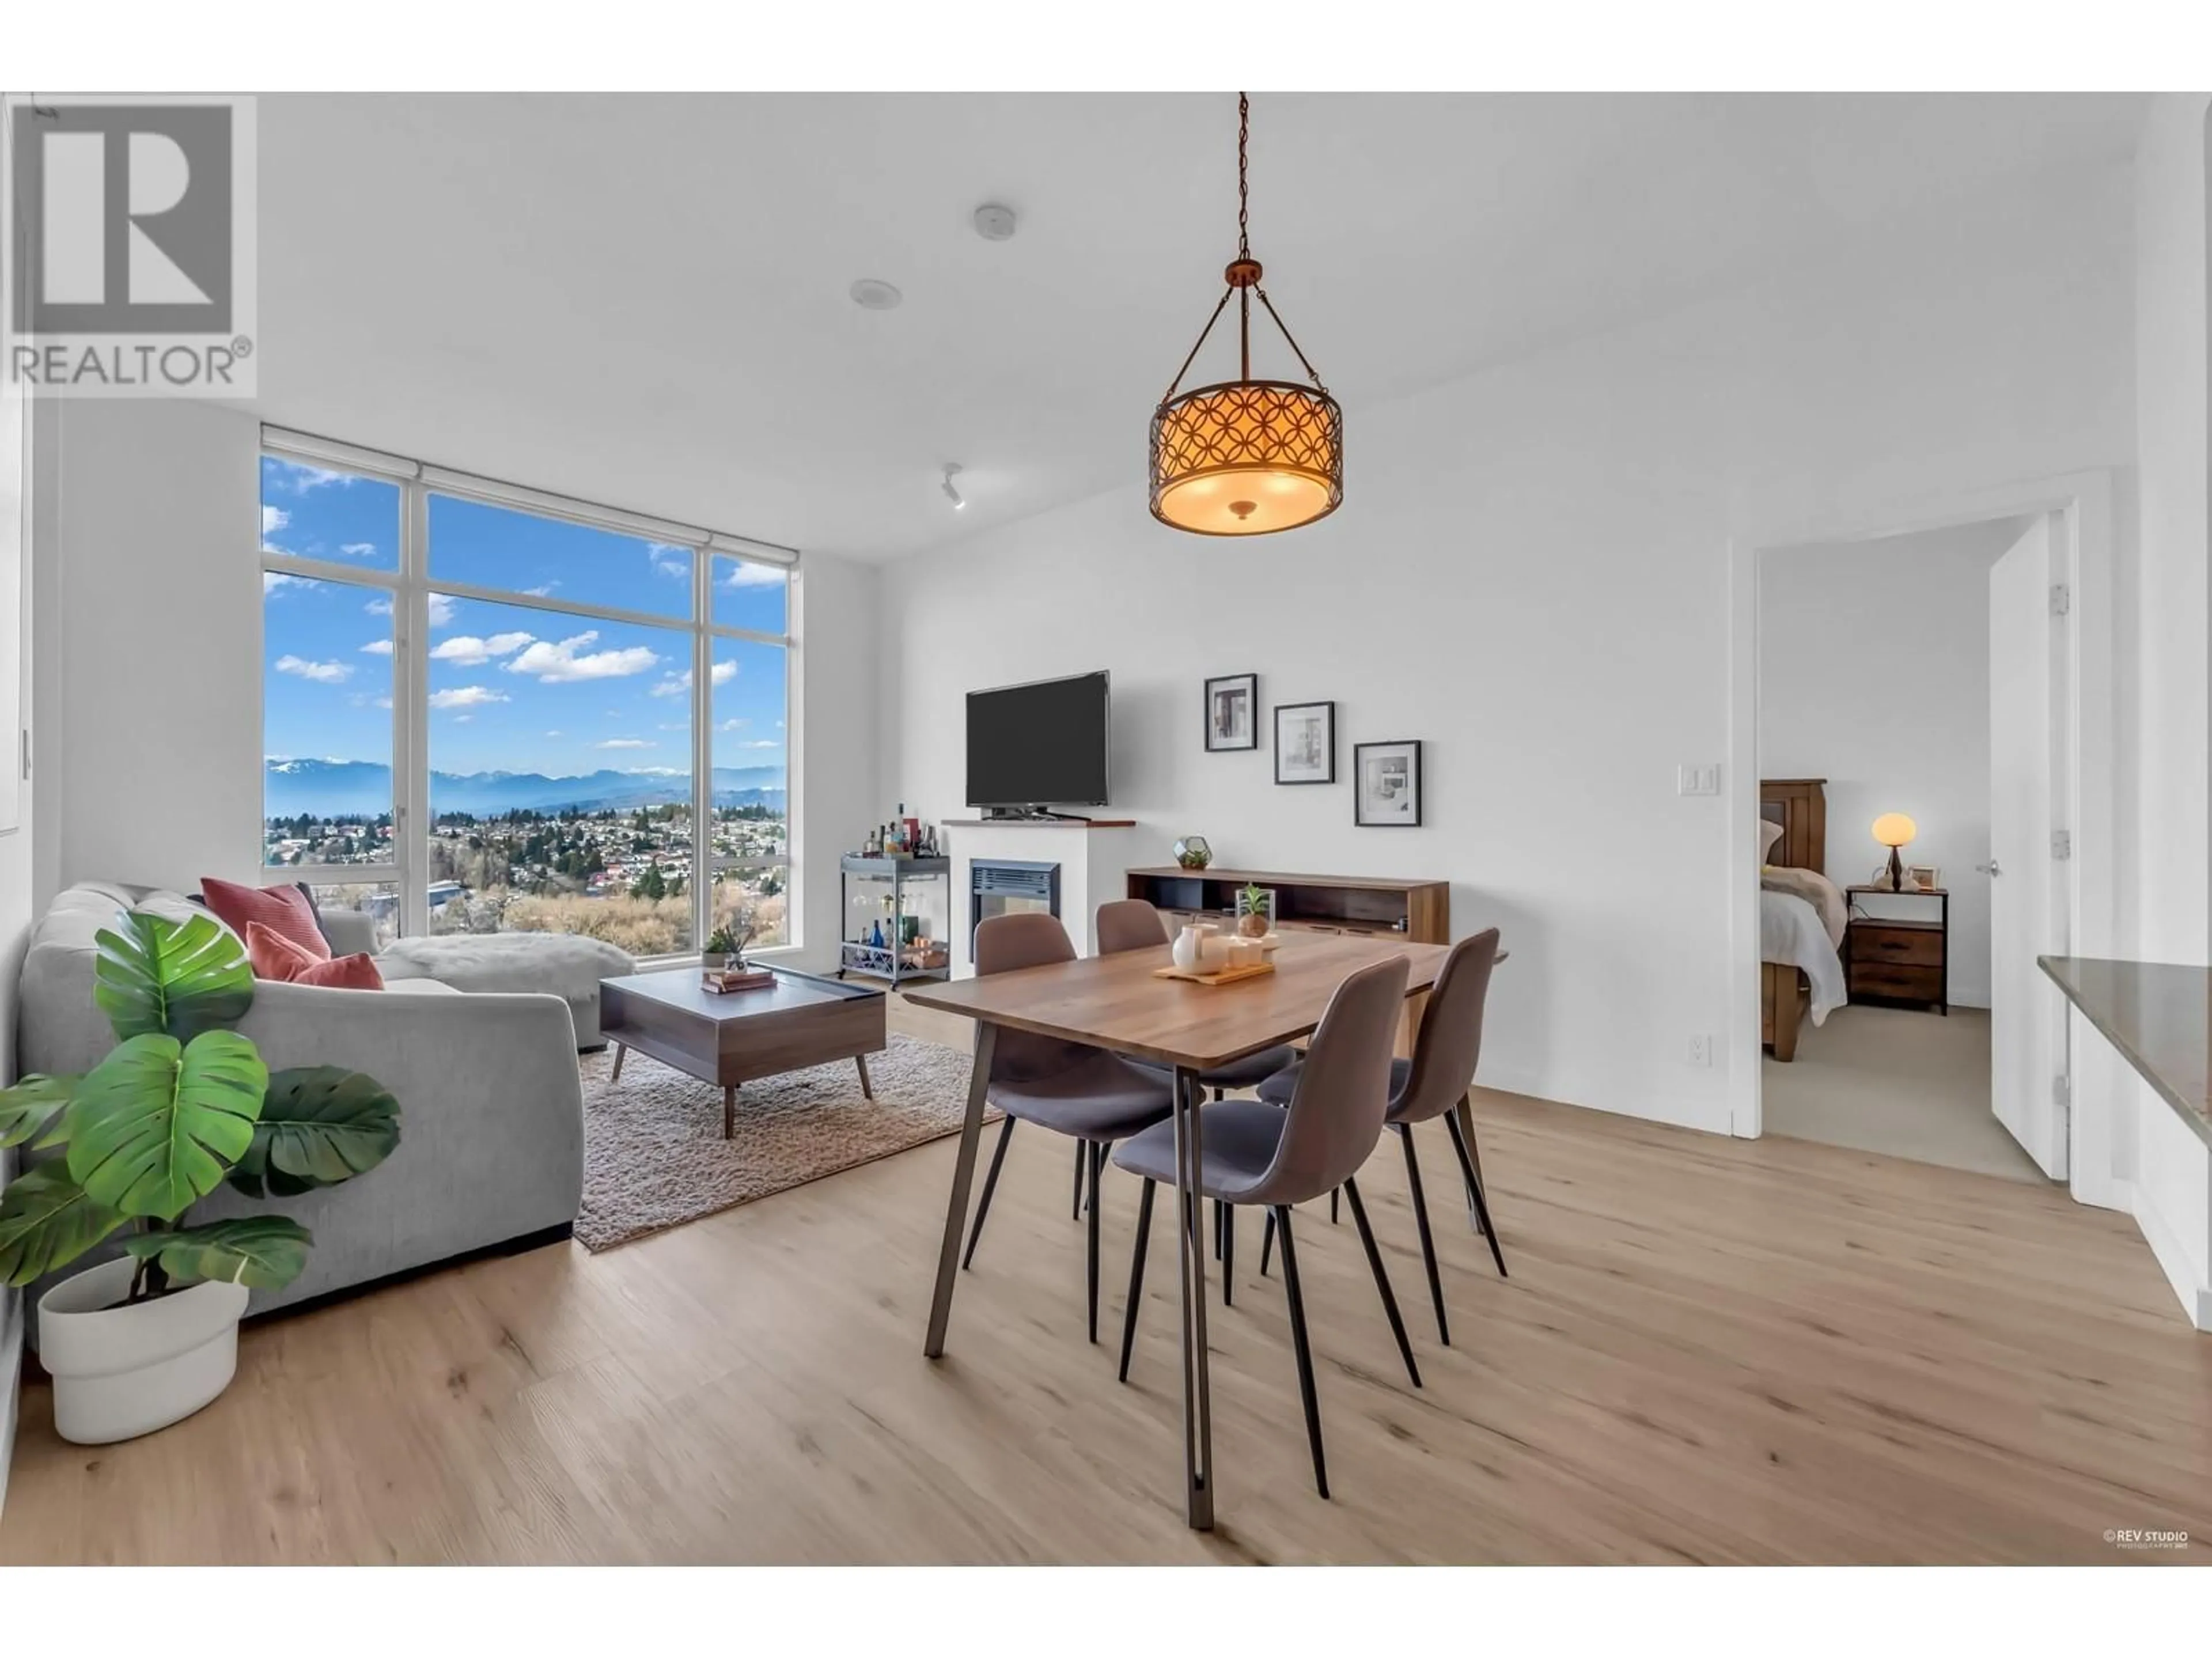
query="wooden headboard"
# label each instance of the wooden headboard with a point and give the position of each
(1800, 806)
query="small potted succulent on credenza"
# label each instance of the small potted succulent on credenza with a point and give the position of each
(182, 1105)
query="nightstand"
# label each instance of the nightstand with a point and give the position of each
(1898, 959)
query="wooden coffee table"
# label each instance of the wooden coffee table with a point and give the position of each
(728, 1039)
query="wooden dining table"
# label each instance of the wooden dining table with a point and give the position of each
(1117, 1003)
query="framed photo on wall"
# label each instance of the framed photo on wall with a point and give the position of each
(1305, 743)
(1232, 711)
(1386, 784)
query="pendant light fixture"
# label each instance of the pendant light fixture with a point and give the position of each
(1246, 457)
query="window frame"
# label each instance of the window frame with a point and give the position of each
(410, 587)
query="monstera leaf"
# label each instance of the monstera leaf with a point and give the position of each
(158, 1123)
(264, 1251)
(319, 1125)
(181, 977)
(47, 1221)
(30, 1105)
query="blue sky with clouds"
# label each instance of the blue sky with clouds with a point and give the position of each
(512, 687)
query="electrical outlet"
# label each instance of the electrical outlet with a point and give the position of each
(1701, 1048)
(1698, 781)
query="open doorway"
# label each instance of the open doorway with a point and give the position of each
(1909, 733)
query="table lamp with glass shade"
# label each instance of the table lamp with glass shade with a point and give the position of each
(1893, 830)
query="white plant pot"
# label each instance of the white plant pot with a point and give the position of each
(119, 1372)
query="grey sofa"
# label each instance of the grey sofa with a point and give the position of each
(491, 1150)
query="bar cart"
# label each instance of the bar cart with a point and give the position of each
(907, 952)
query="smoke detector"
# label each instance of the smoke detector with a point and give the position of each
(994, 223)
(872, 294)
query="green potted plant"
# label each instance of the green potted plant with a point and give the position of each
(725, 946)
(1255, 911)
(181, 1106)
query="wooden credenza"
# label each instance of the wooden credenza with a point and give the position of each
(1418, 910)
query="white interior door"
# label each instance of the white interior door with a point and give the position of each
(2028, 896)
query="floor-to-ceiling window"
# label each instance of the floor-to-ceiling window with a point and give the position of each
(490, 710)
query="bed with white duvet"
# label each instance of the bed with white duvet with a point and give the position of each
(1801, 916)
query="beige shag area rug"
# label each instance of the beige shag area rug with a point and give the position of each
(654, 1152)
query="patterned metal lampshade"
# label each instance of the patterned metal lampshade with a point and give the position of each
(1246, 457)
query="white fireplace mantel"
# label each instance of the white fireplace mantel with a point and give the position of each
(1094, 860)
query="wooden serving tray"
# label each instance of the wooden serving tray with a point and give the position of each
(1215, 975)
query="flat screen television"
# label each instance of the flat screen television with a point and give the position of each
(1040, 745)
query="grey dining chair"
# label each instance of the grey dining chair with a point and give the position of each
(1134, 925)
(1431, 1085)
(1253, 1153)
(1070, 1088)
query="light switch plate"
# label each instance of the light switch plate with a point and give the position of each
(1698, 781)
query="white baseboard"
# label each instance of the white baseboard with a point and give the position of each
(2180, 1271)
(1711, 1116)
(2104, 1193)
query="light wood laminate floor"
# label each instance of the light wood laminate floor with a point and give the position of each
(1708, 1351)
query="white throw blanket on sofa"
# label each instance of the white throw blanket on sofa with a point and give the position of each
(569, 965)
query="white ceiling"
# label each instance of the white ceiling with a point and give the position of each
(642, 299)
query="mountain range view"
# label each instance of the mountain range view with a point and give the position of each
(342, 788)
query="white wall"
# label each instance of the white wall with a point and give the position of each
(2161, 1172)
(2174, 695)
(1873, 673)
(155, 671)
(1530, 573)
(154, 756)
(836, 785)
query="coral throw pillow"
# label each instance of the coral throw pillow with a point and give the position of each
(283, 910)
(275, 956)
(355, 973)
